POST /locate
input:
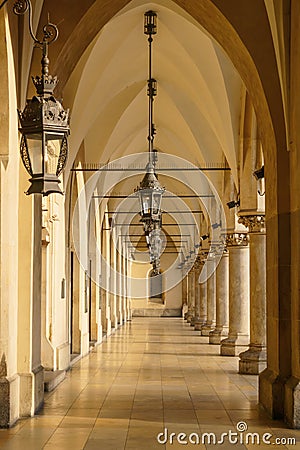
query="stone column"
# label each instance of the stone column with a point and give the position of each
(203, 294)
(105, 306)
(113, 284)
(254, 360)
(119, 288)
(222, 300)
(237, 244)
(198, 322)
(211, 298)
(184, 285)
(123, 282)
(188, 287)
(128, 290)
(191, 296)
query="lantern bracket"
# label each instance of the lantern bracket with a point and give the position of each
(46, 83)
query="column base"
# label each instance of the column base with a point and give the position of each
(99, 334)
(216, 335)
(120, 318)
(85, 344)
(189, 317)
(108, 327)
(253, 361)
(63, 356)
(114, 321)
(198, 325)
(206, 329)
(9, 401)
(31, 391)
(229, 346)
(271, 393)
(52, 378)
(292, 402)
(192, 322)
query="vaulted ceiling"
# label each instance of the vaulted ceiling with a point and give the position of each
(198, 109)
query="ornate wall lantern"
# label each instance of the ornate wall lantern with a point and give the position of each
(44, 122)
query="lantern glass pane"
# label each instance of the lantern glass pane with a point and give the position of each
(146, 202)
(52, 151)
(156, 202)
(34, 145)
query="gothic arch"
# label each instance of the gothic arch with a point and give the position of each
(243, 31)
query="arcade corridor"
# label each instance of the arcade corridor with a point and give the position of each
(149, 375)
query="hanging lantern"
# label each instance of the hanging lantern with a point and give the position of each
(44, 122)
(150, 194)
(44, 144)
(150, 23)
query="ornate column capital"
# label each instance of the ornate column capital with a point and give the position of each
(255, 223)
(237, 240)
(198, 263)
(220, 248)
(203, 256)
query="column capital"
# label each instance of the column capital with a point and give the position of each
(198, 263)
(255, 223)
(203, 255)
(237, 239)
(220, 248)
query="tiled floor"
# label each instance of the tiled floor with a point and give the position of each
(151, 375)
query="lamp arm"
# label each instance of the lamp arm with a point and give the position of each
(20, 8)
(50, 31)
(3, 3)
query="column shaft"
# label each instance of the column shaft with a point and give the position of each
(254, 360)
(184, 285)
(211, 299)
(203, 296)
(222, 301)
(237, 244)
(191, 296)
(197, 322)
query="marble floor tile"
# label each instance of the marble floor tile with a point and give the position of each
(149, 376)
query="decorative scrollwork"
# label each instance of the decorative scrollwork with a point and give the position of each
(237, 239)
(25, 156)
(50, 33)
(62, 156)
(21, 7)
(255, 223)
